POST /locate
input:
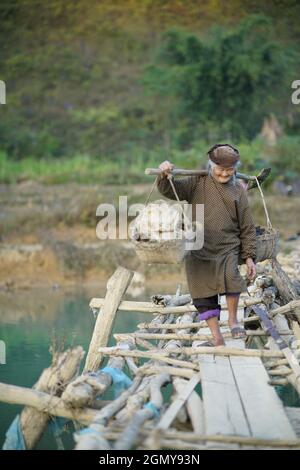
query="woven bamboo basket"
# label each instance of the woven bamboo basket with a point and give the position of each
(267, 238)
(160, 251)
(158, 234)
(267, 243)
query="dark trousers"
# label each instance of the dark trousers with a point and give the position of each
(209, 307)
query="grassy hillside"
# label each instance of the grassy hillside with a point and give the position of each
(105, 88)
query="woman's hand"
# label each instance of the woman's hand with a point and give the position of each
(251, 269)
(166, 167)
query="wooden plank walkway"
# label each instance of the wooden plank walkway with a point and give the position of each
(238, 399)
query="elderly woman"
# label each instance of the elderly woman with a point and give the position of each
(229, 234)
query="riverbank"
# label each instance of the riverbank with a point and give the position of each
(48, 234)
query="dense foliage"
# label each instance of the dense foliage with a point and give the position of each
(127, 83)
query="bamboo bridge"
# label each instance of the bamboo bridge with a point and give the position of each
(215, 397)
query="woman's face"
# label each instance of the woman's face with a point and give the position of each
(222, 175)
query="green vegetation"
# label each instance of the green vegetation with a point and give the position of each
(97, 91)
(283, 158)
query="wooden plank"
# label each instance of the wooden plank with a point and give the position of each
(293, 414)
(173, 409)
(264, 411)
(223, 409)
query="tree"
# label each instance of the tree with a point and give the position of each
(225, 83)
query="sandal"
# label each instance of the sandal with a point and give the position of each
(238, 332)
(207, 344)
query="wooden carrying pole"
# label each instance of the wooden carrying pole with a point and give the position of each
(182, 172)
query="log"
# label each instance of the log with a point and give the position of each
(84, 390)
(116, 287)
(135, 401)
(53, 380)
(94, 439)
(131, 433)
(197, 337)
(283, 283)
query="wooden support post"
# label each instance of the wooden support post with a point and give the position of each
(116, 287)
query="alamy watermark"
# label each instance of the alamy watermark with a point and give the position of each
(2, 352)
(154, 222)
(296, 94)
(2, 92)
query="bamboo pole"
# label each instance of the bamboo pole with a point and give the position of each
(290, 307)
(280, 362)
(280, 371)
(173, 371)
(294, 377)
(150, 307)
(44, 403)
(186, 436)
(202, 324)
(144, 344)
(217, 351)
(277, 382)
